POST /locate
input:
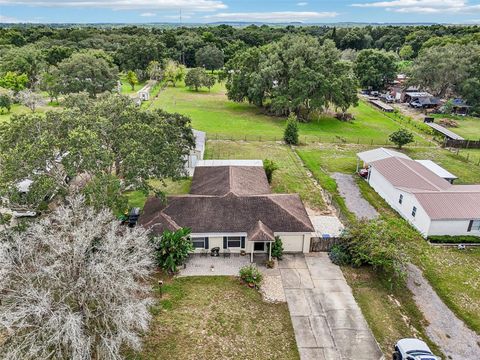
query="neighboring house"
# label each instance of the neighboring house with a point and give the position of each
(421, 99)
(230, 206)
(423, 193)
(196, 154)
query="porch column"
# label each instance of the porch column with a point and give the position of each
(270, 252)
(251, 252)
(357, 164)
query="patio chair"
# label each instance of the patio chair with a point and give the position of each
(203, 252)
(226, 253)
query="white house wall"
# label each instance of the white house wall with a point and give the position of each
(451, 227)
(292, 242)
(391, 195)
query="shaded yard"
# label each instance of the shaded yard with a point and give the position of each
(212, 112)
(217, 317)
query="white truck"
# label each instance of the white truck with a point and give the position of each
(413, 349)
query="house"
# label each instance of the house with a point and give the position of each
(230, 206)
(460, 107)
(421, 99)
(197, 152)
(423, 194)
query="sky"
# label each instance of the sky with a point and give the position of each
(207, 11)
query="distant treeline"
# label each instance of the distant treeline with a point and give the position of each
(132, 47)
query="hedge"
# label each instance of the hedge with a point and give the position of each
(461, 239)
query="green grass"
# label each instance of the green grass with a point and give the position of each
(178, 187)
(391, 313)
(468, 126)
(127, 88)
(291, 177)
(223, 119)
(217, 317)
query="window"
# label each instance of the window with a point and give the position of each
(400, 199)
(198, 242)
(414, 211)
(234, 241)
(474, 225)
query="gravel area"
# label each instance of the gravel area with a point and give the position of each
(272, 288)
(348, 189)
(453, 337)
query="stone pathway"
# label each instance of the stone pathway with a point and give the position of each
(354, 200)
(455, 340)
(327, 321)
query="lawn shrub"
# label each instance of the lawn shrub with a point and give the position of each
(291, 131)
(376, 243)
(251, 275)
(172, 249)
(277, 248)
(270, 167)
(447, 239)
(339, 255)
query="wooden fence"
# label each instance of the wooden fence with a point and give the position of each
(462, 144)
(318, 244)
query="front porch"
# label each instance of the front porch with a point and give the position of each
(200, 265)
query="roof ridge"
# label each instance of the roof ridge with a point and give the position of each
(418, 174)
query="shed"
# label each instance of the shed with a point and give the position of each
(438, 170)
(444, 131)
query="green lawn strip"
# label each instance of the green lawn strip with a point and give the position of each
(390, 313)
(452, 273)
(291, 177)
(212, 112)
(217, 317)
(178, 187)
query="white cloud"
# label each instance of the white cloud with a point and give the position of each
(423, 6)
(280, 16)
(302, 4)
(12, 20)
(148, 14)
(194, 5)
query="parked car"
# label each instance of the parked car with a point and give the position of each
(413, 349)
(416, 104)
(388, 98)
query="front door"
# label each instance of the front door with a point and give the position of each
(259, 246)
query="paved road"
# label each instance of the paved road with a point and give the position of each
(348, 189)
(450, 333)
(327, 321)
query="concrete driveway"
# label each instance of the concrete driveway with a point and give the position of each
(327, 321)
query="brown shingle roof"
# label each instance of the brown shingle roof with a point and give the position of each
(409, 175)
(261, 232)
(230, 213)
(220, 180)
(226, 199)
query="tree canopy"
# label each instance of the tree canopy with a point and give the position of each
(375, 69)
(210, 57)
(90, 139)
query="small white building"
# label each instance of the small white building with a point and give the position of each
(423, 194)
(196, 154)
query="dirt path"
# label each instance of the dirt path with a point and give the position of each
(455, 340)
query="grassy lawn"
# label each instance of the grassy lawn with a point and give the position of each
(468, 126)
(127, 88)
(291, 177)
(223, 119)
(216, 317)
